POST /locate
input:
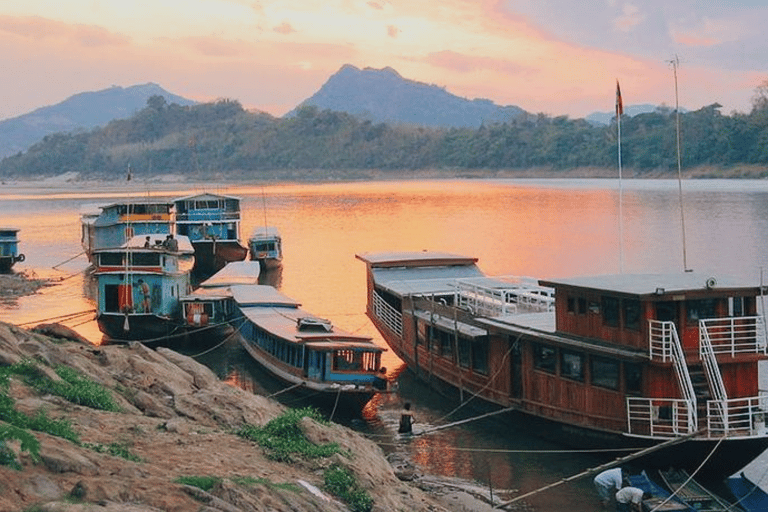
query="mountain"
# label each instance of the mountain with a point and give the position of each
(605, 118)
(82, 111)
(383, 96)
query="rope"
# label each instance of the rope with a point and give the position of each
(338, 394)
(67, 261)
(286, 389)
(68, 316)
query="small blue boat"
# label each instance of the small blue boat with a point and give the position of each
(212, 224)
(112, 225)
(307, 352)
(139, 286)
(266, 247)
(750, 485)
(660, 498)
(9, 249)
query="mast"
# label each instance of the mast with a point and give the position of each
(675, 63)
(619, 112)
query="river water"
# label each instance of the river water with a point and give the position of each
(538, 228)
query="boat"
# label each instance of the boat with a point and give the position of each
(9, 249)
(265, 246)
(112, 225)
(212, 224)
(609, 362)
(139, 285)
(749, 485)
(306, 352)
(660, 499)
(691, 492)
(210, 311)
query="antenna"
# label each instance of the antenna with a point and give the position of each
(675, 64)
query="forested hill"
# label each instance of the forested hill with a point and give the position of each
(224, 140)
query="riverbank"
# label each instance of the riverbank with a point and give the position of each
(176, 422)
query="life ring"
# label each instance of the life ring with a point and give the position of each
(20, 258)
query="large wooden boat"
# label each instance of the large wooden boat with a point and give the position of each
(749, 485)
(210, 311)
(622, 361)
(692, 493)
(266, 246)
(212, 224)
(112, 225)
(307, 352)
(139, 286)
(9, 249)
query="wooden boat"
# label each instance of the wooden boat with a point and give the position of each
(660, 499)
(212, 224)
(9, 249)
(210, 311)
(112, 225)
(749, 485)
(266, 246)
(621, 361)
(691, 492)
(307, 352)
(138, 287)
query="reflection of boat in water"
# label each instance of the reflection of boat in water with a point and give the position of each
(9, 249)
(212, 223)
(749, 485)
(693, 493)
(139, 286)
(266, 247)
(307, 352)
(660, 499)
(210, 311)
(110, 226)
(621, 361)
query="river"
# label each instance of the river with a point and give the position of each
(538, 228)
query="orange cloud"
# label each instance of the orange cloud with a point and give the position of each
(694, 40)
(284, 28)
(35, 27)
(392, 31)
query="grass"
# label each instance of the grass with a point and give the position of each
(115, 449)
(205, 483)
(283, 440)
(249, 481)
(341, 482)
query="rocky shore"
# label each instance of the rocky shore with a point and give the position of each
(174, 420)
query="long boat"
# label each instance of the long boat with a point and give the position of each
(139, 286)
(660, 500)
(612, 362)
(9, 249)
(306, 352)
(112, 225)
(212, 224)
(749, 485)
(691, 492)
(210, 312)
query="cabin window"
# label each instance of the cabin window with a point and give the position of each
(572, 365)
(544, 358)
(446, 343)
(632, 314)
(109, 259)
(582, 306)
(465, 351)
(701, 309)
(146, 259)
(736, 306)
(421, 333)
(633, 379)
(480, 356)
(347, 360)
(604, 372)
(571, 305)
(610, 311)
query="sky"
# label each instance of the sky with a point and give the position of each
(557, 57)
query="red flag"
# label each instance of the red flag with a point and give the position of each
(619, 103)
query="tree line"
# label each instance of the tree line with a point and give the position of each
(224, 139)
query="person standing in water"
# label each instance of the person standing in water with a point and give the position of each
(406, 420)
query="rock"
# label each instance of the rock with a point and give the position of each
(59, 331)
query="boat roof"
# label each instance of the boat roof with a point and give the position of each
(234, 273)
(218, 293)
(203, 196)
(134, 202)
(653, 284)
(265, 232)
(15, 230)
(423, 280)
(414, 259)
(261, 295)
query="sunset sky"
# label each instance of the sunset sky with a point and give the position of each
(559, 57)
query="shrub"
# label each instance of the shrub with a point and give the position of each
(341, 482)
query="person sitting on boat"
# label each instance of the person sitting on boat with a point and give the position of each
(145, 303)
(171, 243)
(610, 481)
(630, 499)
(406, 420)
(147, 242)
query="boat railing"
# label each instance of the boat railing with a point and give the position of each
(665, 345)
(741, 417)
(716, 414)
(199, 216)
(735, 335)
(660, 417)
(391, 317)
(486, 299)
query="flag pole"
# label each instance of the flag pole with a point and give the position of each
(619, 112)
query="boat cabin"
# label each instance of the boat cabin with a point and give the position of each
(208, 217)
(9, 248)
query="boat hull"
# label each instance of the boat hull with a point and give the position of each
(7, 262)
(146, 328)
(210, 257)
